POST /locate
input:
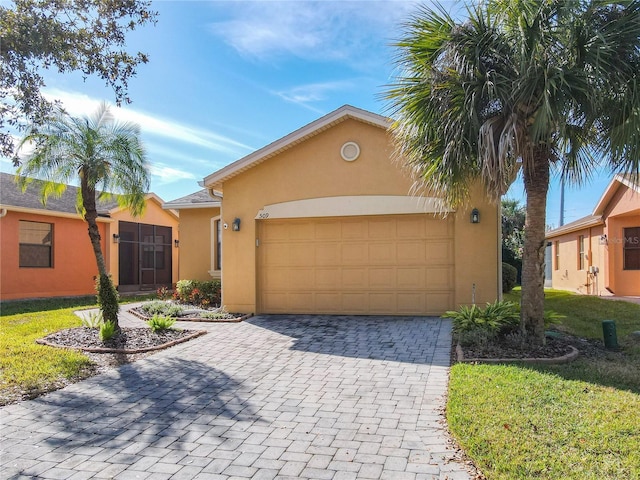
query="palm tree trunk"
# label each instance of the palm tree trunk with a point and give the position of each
(536, 183)
(107, 297)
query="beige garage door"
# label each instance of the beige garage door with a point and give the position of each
(395, 265)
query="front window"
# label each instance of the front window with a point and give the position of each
(36, 244)
(632, 248)
(218, 233)
(581, 252)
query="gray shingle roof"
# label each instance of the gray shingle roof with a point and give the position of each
(12, 196)
(199, 198)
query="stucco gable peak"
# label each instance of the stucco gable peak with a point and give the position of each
(314, 128)
(628, 180)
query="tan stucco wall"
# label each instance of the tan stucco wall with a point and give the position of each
(153, 215)
(314, 168)
(195, 243)
(565, 274)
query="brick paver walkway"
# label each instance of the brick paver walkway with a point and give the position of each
(322, 397)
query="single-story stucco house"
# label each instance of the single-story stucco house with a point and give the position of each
(600, 253)
(323, 220)
(45, 251)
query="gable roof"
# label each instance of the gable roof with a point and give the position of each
(12, 198)
(314, 128)
(199, 199)
(596, 218)
(628, 180)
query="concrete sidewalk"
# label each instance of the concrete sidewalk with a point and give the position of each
(322, 397)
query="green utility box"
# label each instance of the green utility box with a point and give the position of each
(609, 334)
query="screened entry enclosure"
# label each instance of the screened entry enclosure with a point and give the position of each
(144, 256)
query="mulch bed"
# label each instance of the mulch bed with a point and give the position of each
(129, 340)
(195, 316)
(560, 346)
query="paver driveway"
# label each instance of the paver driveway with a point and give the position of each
(323, 397)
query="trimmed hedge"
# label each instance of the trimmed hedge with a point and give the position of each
(509, 277)
(200, 293)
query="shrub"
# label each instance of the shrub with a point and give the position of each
(162, 308)
(108, 299)
(509, 277)
(497, 317)
(195, 292)
(160, 323)
(93, 320)
(107, 331)
(163, 293)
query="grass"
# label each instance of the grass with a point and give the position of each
(28, 367)
(573, 421)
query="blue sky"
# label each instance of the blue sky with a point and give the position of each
(228, 77)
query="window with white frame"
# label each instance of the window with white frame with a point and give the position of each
(36, 244)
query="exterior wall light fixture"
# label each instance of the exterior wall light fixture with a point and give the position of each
(235, 226)
(116, 238)
(176, 243)
(475, 216)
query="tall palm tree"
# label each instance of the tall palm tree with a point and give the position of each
(105, 156)
(535, 86)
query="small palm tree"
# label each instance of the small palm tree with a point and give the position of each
(521, 85)
(105, 156)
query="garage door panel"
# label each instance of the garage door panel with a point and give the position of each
(382, 254)
(354, 253)
(301, 278)
(328, 278)
(411, 253)
(411, 278)
(380, 303)
(354, 230)
(354, 278)
(395, 264)
(382, 278)
(438, 252)
(439, 278)
(411, 303)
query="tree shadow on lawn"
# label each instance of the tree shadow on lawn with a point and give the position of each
(422, 340)
(155, 403)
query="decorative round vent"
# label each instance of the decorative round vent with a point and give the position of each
(350, 151)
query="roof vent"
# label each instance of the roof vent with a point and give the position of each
(350, 151)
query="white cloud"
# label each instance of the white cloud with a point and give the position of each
(319, 30)
(166, 175)
(80, 104)
(315, 92)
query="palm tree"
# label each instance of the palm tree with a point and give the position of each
(105, 156)
(536, 86)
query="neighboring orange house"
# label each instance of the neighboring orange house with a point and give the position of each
(324, 221)
(600, 254)
(200, 235)
(45, 251)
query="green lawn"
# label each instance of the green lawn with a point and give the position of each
(574, 421)
(28, 369)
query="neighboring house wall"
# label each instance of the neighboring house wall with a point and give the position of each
(618, 209)
(314, 169)
(197, 245)
(74, 264)
(567, 274)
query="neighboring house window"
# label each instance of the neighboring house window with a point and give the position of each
(36, 244)
(632, 248)
(556, 245)
(581, 252)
